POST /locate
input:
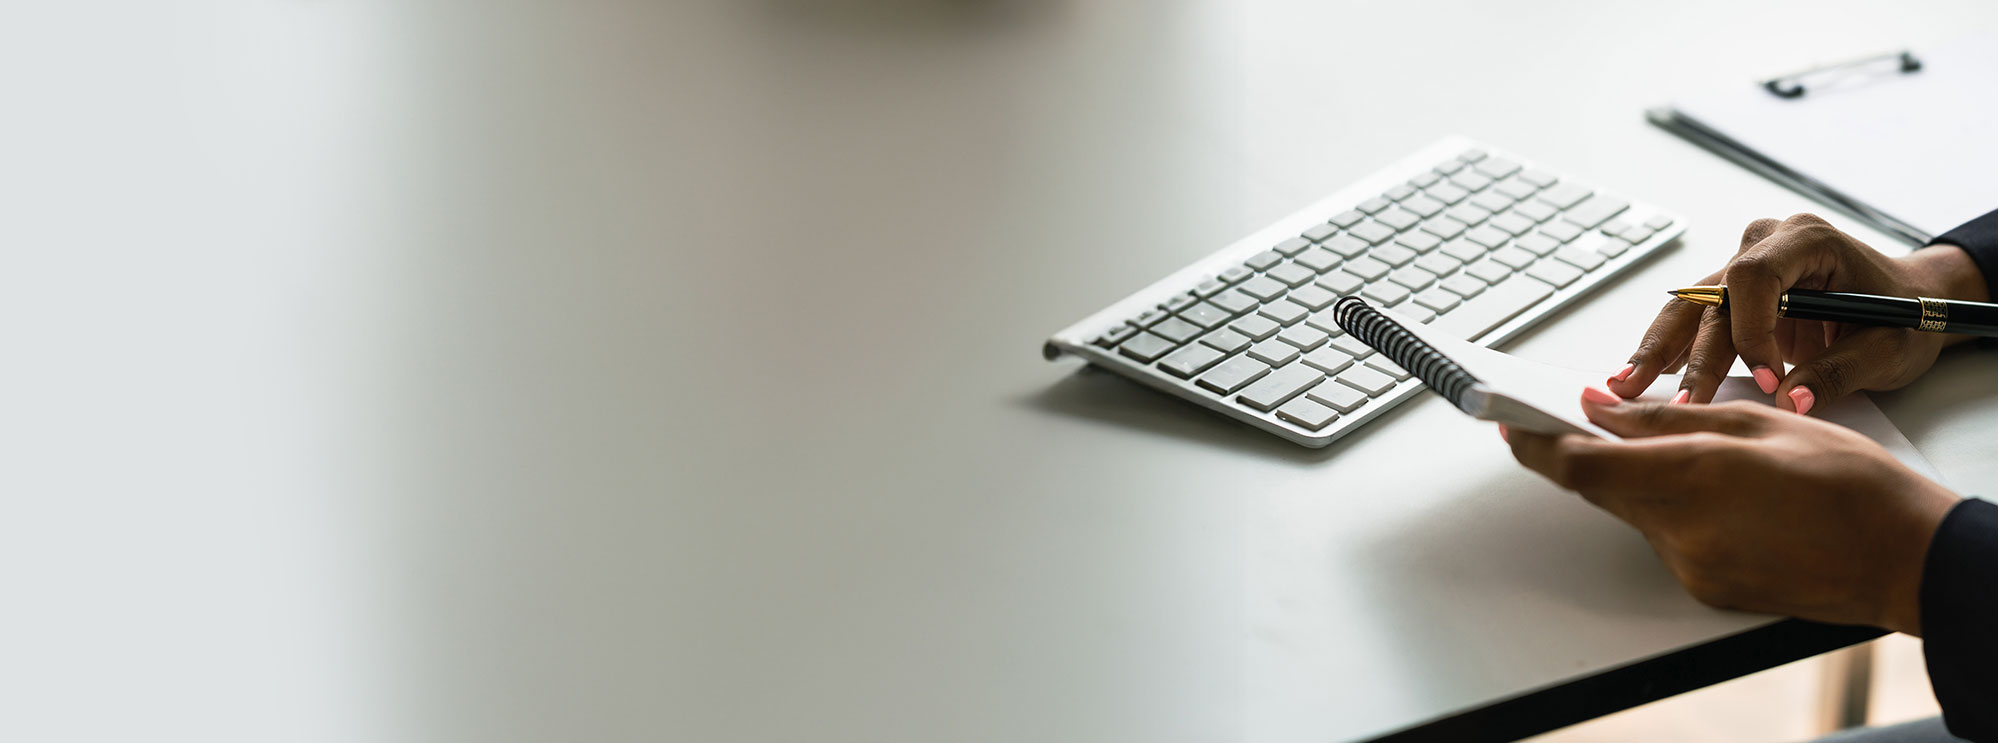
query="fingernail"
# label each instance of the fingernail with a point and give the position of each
(1682, 397)
(1595, 396)
(1803, 398)
(1623, 375)
(1765, 379)
(1502, 434)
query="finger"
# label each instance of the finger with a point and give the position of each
(1646, 419)
(1806, 339)
(1756, 279)
(1670, 334)
(1613, 475)
(1712, 355)
(1863, 359)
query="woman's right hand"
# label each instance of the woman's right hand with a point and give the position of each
(1831, 359)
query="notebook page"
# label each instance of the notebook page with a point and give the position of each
(1920, 147)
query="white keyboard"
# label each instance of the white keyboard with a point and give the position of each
(1474, 241)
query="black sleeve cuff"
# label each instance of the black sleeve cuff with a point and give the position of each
(1959, 603)
(1979, 238)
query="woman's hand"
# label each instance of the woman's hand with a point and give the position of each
(1832, 359)
(1756, 509)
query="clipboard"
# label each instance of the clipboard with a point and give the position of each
(1905, 142)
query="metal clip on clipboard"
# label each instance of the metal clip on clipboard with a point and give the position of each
(1792, 85)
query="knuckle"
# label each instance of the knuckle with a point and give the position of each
(1833, 374)
(1805, 219)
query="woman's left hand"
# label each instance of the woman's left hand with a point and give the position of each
(1755, 508)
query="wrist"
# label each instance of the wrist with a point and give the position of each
(1901, 590)
(1944, 271)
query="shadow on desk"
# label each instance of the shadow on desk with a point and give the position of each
(1101, 396)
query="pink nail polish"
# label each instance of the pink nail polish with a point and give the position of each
(1502, 434)
(1682, 397)
(1765, 379)
(1595, 396)
(1803, 399)
(1623, 375)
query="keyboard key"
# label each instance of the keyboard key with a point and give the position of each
(1374, 205)
(1537, 244)
(1537, 211)
(1490, 271)
(1511, 223)
(1346, 246)
(1658, 222)
(1470, 180)
(1146, 347)
(1498, 304)
(1323, 320)
(1449, 167)
(1256, 327)
(1262, 261)
(1279, 387)
(1636, 233)
(1273, 352)
(1304, 337)
(1416, 312)
(1116, 335)
(1318, 233)
(1561, 231)
(1228, 341)
(1191, 360)
(1312, 296)
(1414, 278)
(1233, 374)
(1292, 274)
(1235, 274)
(1399, 219)
(1469, 214)
(1293, 246)
(1464, 250)
(1348, 218)
(1439, 264)
(1471, 155)
(1554, 272)
(1205, 315)
(1497, 167)
(1177, 330)
(1448, 193)
(1614, 226)
(1491, 201)
(1611, 247)
(1398, 193)
(1513, 257)
(1234, 301)
(1284, 311)
(1595, 210)
(1540, 178)
(1587, 260)
(1464, 285)
(1366, 268)
(1374, 233)
(1439, 300)
(1391, 369)
(1488, 236)
(1445, 227)
(1353, 347)
(1565, 195)
(1179, 302)
(1367, 380)
(1329, 360)
(1308, 415)
(1262, 287)
(1425, 179)
(1150, 318)
(1340, 283)
(1424, 206)
(1386, 293)
(1337, 396)
(1393, 255)
(1420, 242)
(1210, 288)
(1317, 259)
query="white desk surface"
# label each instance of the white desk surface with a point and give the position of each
(669, 371)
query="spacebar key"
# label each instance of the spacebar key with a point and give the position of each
(1492, 308)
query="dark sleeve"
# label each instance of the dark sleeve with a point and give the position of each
(1959, 598)
(1979, 238)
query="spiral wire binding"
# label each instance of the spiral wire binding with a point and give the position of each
(1403, 348)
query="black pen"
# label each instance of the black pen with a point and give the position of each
(1926, 314)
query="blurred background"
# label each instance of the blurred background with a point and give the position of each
(448, 371)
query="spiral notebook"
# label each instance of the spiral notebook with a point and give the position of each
(1496, 386)
(1901, 142)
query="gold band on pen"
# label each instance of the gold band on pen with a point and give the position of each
(1783, 304)
(1935, 314)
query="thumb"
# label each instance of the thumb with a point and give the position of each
(1861, 359)
(1640, 419)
